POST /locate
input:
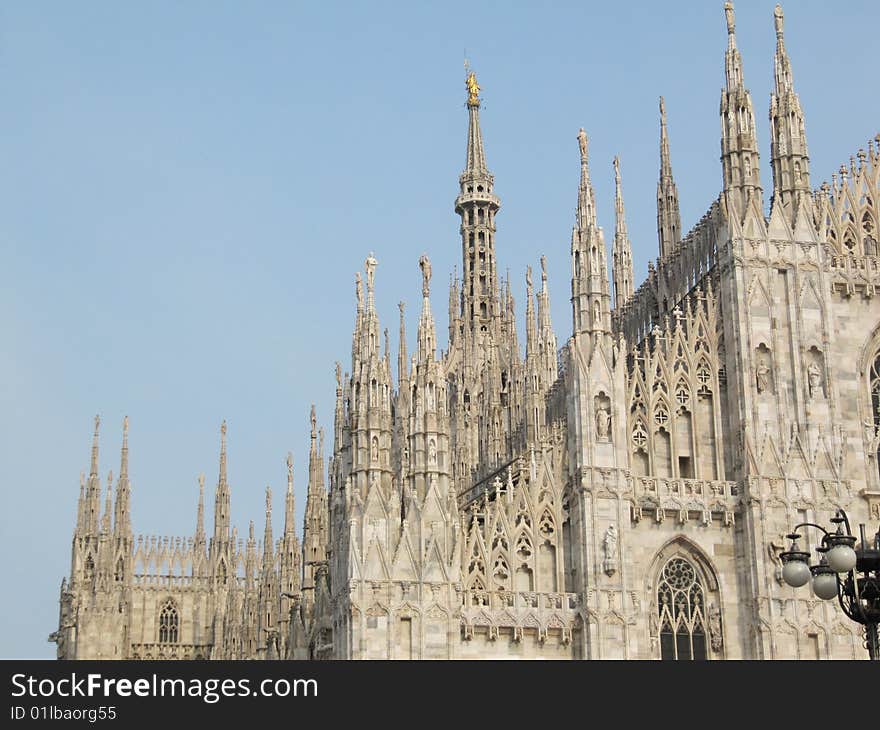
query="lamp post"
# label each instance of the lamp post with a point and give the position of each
(845, 570)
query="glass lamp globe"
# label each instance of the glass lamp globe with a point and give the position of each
(841, 558)
(796, 573)
(825, 585)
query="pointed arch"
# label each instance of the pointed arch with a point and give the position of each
(169, 622)
(686, 620)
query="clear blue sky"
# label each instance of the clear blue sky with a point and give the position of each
(187, 189)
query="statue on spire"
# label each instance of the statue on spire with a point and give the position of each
(731, 20)
(582, 142)
(425, 266)
(473, 89)
(778, 20)
(289, 463)
(370, 266)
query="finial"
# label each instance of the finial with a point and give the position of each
(289, 463)
(731, 19)
(223, 429)
(543, 268)
(778, 20)
(125, 427)
(202, 483)
(425, 266)
(313, 418)
(97, 424)
(529, 277)
(268, 500)
(582, 142)
(617, 169)
(662, 111)
(338, 375)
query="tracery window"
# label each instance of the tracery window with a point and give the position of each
(682, 611)
(169, 623)
(875, 398)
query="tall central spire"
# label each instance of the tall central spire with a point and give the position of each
(477, 205)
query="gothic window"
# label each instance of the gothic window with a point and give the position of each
(875, 396)
(681, 607)
(169, 623)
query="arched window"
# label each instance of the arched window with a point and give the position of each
(875, 397)
(682, 607)
(168, 623)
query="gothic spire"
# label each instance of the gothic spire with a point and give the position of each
(546, 335)
(621, 258)
(268, 541)
(93, 490)
(477, 205)
(108, 505)
(314, 519)
(739, 147)
(531, 327)
(586, 208)
(402, 363)
(200, 513)
(475, 162)
(93, 471)
(668, 215)
(221, 499)
(788, 145)
(289, 503)
(122, 521)
(427, 335)
(590, 292)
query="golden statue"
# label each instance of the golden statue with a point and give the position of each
(473, 88)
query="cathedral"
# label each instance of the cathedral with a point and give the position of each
(622, 494)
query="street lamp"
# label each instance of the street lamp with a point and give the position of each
(848, 572)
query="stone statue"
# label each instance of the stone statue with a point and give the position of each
(370, 266)
(603, 421)
(425, 266)
(609, 545)
(374, 452)
(582, 143)
(814, 377)
(359, 290)
(473, 88)
(432, 452)
(714, 621)
(762, 376)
